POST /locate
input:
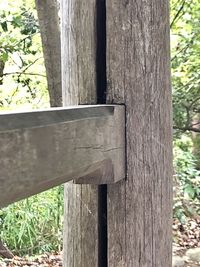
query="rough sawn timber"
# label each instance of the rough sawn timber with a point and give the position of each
(138, 73)
(42, 149)
(78, 42)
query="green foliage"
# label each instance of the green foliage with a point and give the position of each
(196, 143)
(24, 24)
(187, 180)
(185, 43)
(34, 225)
(23, 84)
(185, 165)
(185, 61)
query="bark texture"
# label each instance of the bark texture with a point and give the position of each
(2, 65)
(138, 74)
(79, 87)
(50, 33)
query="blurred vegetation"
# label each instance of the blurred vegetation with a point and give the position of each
(186, 181)
(35, 225)
(22, 72)
(185, 62)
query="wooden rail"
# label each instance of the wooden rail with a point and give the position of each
(42, 149)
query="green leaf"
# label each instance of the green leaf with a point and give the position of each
(17, 21)
(4, 26)
(4, 56)
(190, 191)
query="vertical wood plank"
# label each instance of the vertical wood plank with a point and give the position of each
(138, 74)
(79, 87)
(50, 35)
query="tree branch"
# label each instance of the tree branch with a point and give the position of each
(178, 13)
(23, 73)
(184, 49)
(194, 101)
(195, 124)
(189, 128)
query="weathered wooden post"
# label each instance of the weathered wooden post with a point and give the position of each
(78, 45)
(138, 74)
(134, 36)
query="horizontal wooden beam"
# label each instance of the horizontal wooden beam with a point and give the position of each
(43, 149)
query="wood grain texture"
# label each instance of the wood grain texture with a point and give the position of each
(43, 149)
(48, 19)
(78, 42)
(78, 47)
(138, 72)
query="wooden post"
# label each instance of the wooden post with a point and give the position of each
(138, 74)
(79, 87)
(139, 210)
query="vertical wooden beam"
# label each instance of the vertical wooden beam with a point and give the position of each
(138, 74)
(79, 87)
(50, 35)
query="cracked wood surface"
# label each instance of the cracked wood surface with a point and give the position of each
(138, 74)
(43, 149)
(78, 41)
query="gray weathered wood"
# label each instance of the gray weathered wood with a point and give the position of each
(140, 209)
(48, 19)
(39, 150)
(79, 87)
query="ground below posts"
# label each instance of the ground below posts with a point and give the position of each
(186, 249)
(45, 260)
(186, 246)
